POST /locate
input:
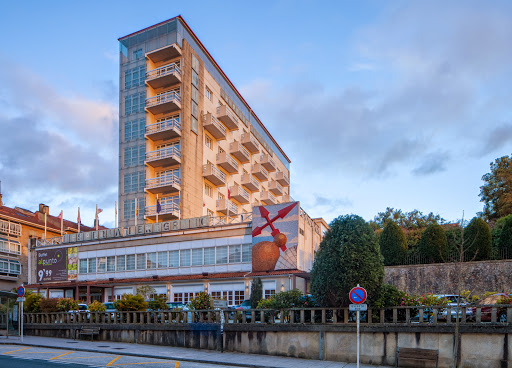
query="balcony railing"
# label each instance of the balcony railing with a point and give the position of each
(250, 143)
(225, 115)
(250, 183)
(164, 156)
(168, 128)
(164, 53)
(287, 198)
(214, 175)
(170, 208)
(239, 151)
(267, 162)
(212, 125)
(225, 206)
(168, 101)
(275, 188)
(166, 183)
(239, 194)
(259, 172)
(10, 228)
(165, 75)
(227, 162)
(267, 198)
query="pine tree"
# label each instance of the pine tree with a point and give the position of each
(393, 244)
(433, 244)
(256, 292)
(478, 237)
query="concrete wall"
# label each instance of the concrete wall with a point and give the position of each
(441, 278)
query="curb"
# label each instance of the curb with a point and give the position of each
(146, 356)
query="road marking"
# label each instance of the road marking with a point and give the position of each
(159, 362)
(177, 365)
(42, 352)
(58, 356)
(112, 362)
(91, 357)
(13, 351)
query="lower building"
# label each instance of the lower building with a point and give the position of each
(181, 258)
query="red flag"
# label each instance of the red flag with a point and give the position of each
(60, 215)
(229, 194)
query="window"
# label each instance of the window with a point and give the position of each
(208, 93)
(141, 261)
(162, 260)
(247, 253)
(207, 190)
(268, 293)
(134, 182)
(134, 129)
(111, 264)
(130, 262)
(174, 258)
(92, 265)
(185, 257)
(129, 208)
(234, 253)
(134, 103)
(195, 63)
(195, 95)
(209, 212)
(194, 125)
(82, 266)
(209, 256)
(197, 257)
(121, 263)
(151, 261)
(14, 267)
(134, 77)
(134, 156)
(102, 264)
(195, 108)
(239, 297)
(208, 141)
(10, 246)
(222, 255)
(4, 265)
(137, 54)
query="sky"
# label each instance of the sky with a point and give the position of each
(377, 103)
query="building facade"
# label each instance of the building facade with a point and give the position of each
(187, 138)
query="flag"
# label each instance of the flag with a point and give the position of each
(61, 214)
(61, 218)
(78, 219)
(158, 206)
(229, 194)
(98, 211)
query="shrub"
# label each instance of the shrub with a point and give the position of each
(349, 255)
(389, 296)
(49, 305)
(477, 240)
(256, 292)
(502, 234)
(96, 306)
(32, 302)
(67, 304)
(159, 303)
(433, 244)
(393, 245)
(201, 301)
(130, 302)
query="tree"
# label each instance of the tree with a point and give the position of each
(256, 292)
(433, 244)
(478, 237)
(392, 244)
(130, 303)
(502, 234)
(496, 193)
(407, 220)
(146, 291)
(349, 255)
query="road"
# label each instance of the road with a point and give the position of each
(28, 357)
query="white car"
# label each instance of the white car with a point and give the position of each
(453, 300)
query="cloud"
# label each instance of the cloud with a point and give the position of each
(432, 163)
(497, 139)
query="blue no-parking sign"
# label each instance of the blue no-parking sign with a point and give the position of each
(357, 295)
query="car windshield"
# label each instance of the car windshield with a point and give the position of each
(82, 307)
(246, 303)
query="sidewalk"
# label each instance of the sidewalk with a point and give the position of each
(180, 354)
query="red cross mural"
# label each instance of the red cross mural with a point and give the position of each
(281, 214)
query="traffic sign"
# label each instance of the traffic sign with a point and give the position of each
(20, 299)
(357, 295)
(358, 307)
(21, 291)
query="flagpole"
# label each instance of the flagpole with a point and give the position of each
(115, 207)
(136, 211)
(61, 222)
(157, 207)
(227, 203)
(79, 219)
(96, 217)
(45, 226)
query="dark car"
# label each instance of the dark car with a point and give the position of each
(487, 306)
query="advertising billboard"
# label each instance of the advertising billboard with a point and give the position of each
(52, 265)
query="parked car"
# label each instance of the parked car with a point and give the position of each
(487, 306)
(176, 305)
(245, 305)
(110, 307)
(454, 301)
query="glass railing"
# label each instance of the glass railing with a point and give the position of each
(168, 124)
(163, 98)
(163, 153)
(172, 68)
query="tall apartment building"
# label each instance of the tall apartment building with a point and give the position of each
(187, 136)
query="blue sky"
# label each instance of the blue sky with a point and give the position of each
(396, 103)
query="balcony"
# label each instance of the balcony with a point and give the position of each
(275, 188)
(287, 198)
(227, 162)
(267, 198)
(268, 163)
(214, 175)
(282, 179)
(239, 194)
(10, 228)
(164, 157)
(224, 206)
(249, 183)
(169, 211)
(166, 102)
(163, 184)
(239, 152)
(164, 76)
(259, 172)
(214, 127)
(250, 143)
(229, 119)
(167, 129)
(165, 53)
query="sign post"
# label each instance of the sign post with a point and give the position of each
(358, 296)
(21, 297)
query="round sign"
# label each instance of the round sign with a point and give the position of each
(21, 291)
(357, 295)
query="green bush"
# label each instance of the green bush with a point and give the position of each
(393, 245)
(32, 302)
(502, 234)
(433, 244)
(349, 255)
(283, 300)
(159, 303)
(129, 303)
(201, 302)
(67, 304)
(477, 240)
(256, 292)
(96, 306)
(389, 296)
(49, 305)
